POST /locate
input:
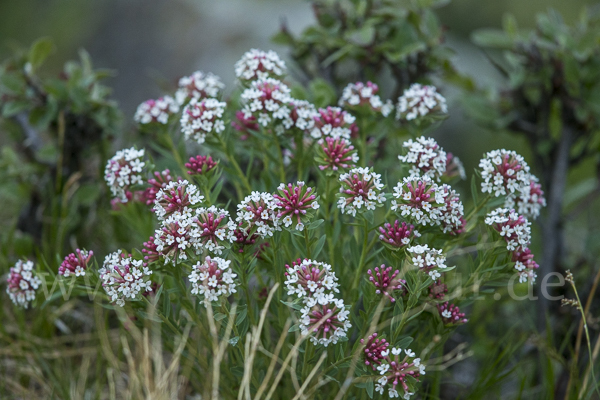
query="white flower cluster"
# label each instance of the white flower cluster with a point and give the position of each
(258, 64)
(418, 101)
(504, 173)
(269, 101)
(360, 187)
(303, 115)
(124, 278)
(420, 199)
(176, 197)
(22, 283)
(200, 229)
(123, 170)
(452, 218)
(312, 281)
(356, 94)
(215, 229)
(530, 200)
(212, 278)
(156, 110)
(426, 156)
(258, 214)
(325, 323)
(395, 368)
(514, 228)
(197, 86)
(333, 122)
(428, 260)
(202, 117)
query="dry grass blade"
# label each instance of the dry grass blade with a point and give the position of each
(310, 376)
(254, 338)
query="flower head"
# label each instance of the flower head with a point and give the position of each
(504, 173)
(198, 86)
(325, 323)
(176, 197)
(212, 278)
(258, 64)
(295, 204)
(75, 263)
(428, 260)
(156, 111)
(419, 101)
(201, 118)
(257, 213)
(386, 282)
(334, 122)
(22, 283)
(336, 154)
(374, 350)
(268, 100)
(398, 235)
(214, 229)
(312, 281)
(421, 199)
(395, 369)
(177, 234)
(124, 278)
(360, 191)
(426, 158)
(200, 165)
(451, 314)
(123, 170)
(514, 228)
(361, 95)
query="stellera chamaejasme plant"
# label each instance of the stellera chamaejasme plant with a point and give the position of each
(299, 264)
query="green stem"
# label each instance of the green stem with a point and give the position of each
(587, 336)
(363, 255)
(479, 207)
(231, 159)
(280, 157)
(307, 242)
(176, 154)
(309, 351)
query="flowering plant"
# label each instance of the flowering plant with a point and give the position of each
(295, 247)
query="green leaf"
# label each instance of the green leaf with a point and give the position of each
(294, 328)
(295, 306)
(12, 108)
(39, 51)
(337, 55)
(370, 388)
(219, 316)
(491, 38)
(404, 342)
(315, 224)
(241, 316)
(319, 246)
(13, 82)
